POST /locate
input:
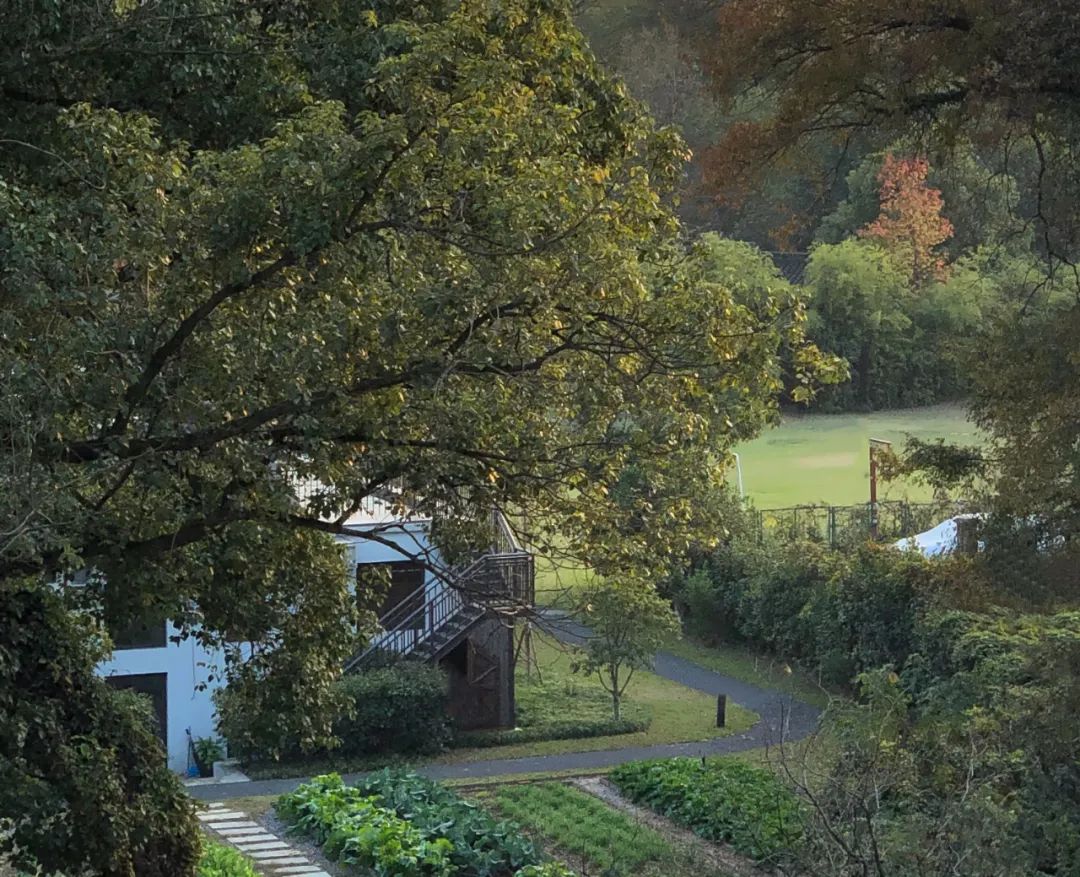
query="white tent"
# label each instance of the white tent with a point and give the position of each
(937, 541)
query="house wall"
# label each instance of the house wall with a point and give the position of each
(188, 666)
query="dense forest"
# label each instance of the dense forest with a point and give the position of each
(905, 248)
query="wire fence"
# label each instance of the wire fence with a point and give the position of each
(840, 526)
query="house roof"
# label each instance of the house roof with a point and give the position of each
(791, 265)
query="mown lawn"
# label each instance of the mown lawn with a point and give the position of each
(747, 666)
(824, 458)
(677, 713)
(593, 837)
(555, 695)
(559, 582)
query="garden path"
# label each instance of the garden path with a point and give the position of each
(783, 718)
(270, 855)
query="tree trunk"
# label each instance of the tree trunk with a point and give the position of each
(866, 356)
(613, 670)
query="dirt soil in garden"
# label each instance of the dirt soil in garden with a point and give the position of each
(720, 857)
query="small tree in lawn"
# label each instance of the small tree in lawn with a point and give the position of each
(628, 623)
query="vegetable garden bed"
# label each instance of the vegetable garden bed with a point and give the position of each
(592, 836)
(397, 824)
(721, 799)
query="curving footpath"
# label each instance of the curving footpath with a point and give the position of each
(783, 718)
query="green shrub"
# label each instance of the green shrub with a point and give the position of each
(720, 800)
(399, 708)
(395, 708)
(578, 730)
(401, 825)
(219, 860)
(82, 772)
(837, 614)
(207, 751)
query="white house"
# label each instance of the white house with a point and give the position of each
(422, 614)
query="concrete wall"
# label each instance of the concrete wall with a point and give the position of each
(189, 667)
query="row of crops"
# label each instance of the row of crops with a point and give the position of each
(397, 824)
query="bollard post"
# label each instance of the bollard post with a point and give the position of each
(721, 710)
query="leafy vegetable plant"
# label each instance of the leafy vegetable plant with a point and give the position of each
(397, 824)
(721, 800)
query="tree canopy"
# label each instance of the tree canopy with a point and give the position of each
(428, 244)
(986, 86)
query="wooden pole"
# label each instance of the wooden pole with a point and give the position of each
(874, 445)
(873, 494)
(721, 710)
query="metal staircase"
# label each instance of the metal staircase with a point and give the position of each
(436, 617)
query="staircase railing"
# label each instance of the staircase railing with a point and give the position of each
(503, 579)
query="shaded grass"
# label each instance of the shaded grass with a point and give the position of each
(595, 837)
(678, 714)
(765, 671)
(556, 695)
(559, 582)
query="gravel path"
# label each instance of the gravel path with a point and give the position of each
(782, 718)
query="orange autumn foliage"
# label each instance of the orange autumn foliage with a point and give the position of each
(910, 225)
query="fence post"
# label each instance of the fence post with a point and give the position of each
(721, 710)
(832, 526)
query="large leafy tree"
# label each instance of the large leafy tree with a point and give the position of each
(249, 241)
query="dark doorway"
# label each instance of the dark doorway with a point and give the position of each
(154, 686)
(406, 578)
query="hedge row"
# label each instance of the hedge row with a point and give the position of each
(579, 730)
(836, 613)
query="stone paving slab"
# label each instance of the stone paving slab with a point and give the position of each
(270, 855)
(262, 846)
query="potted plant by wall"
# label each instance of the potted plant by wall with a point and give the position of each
(206, 751)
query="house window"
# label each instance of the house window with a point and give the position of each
(140, 634)
(151, 685)
(403, 596)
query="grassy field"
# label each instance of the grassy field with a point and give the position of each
(763, 670)
(807, 459)
(678, 714)
(591, 836)
(823, 458)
